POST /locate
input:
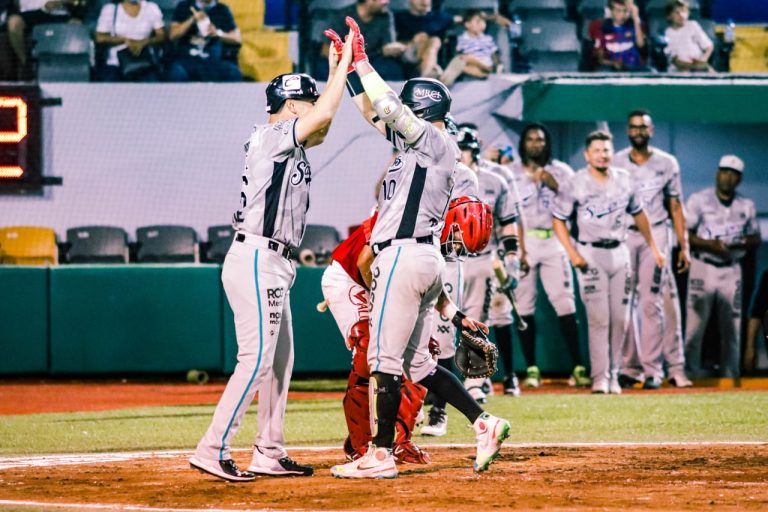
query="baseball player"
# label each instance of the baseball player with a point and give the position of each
(758, 313)
(258, 271)
(346, 284)
(597, 200)
(481, 297)
(656, 177)
(538, 177)
(407, 268)
(723, 227)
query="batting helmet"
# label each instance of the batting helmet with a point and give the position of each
(473, 219)
(468, 139)
(290, 86)
(427, 98)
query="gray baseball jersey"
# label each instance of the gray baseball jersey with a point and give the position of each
(493, 190)
(655, 181)
(710, 219)
(416, 189)
(536, 199)
(465, 182)
(274, 197)
(600, 209)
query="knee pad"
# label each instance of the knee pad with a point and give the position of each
(411, 399)
(356, 413)
(359, 336)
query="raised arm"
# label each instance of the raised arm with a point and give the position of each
(319, 118)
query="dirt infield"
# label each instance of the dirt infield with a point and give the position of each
(694, 477)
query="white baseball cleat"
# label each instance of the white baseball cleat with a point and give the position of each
(600, 387)
(284, 466)
(376, 463)
(438, 423)
(614, 387)
(490, 432)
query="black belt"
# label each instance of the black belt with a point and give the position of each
(603, 244)
(273, 245)
(377, 248)
(715, 263)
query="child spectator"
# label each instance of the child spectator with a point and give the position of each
(688, 46)
(619, 41)
(478, 55)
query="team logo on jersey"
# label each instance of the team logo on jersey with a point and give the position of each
(292, 82)
(420, 93)
(396, 165)
(301, 173)
(601, 210)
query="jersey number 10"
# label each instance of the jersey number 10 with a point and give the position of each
(388, 189)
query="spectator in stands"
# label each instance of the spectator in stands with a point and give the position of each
(36, 12)
(200, 29)
(422, 30)
(478, 55)
(688, 46)
(619, 41)
(757, 315)
(135, 28)
(378, 25)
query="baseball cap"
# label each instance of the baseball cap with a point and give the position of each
(732, 162)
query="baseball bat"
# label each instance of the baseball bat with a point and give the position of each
(322, 307)
(501, 275)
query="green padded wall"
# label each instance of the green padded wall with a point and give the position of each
(135, 318)
(318, 344)
(23, 320)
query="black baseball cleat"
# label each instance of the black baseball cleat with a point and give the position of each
(625, 381)
(652, 383)
(224, 469)
(284, 466)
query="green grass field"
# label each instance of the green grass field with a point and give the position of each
(540, 418)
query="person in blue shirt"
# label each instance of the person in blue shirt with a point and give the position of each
(200, 29)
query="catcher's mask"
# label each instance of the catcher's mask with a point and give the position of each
(468, 227)
(428, 98)
(290, 86)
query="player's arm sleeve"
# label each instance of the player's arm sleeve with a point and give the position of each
(562, 205)
(279, 141)
(390, 109)
(505, 208)
(674, 187)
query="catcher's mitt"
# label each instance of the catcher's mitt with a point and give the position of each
(475, 356)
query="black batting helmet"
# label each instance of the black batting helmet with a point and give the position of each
(468, 139)
(290, 86)
(427, 98)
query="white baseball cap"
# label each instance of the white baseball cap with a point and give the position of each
(732, 162)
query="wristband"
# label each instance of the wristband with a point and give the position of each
(457, 318)
(510, 244)
(354, 85)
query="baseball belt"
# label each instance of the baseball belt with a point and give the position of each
(261, 242)
(603, 244)
(427, 239)
(715, 263)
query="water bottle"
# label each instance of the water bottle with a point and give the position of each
(730, 32)
(516, 28)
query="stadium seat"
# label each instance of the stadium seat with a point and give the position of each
(320, 241)
(459, 6)
(590, 10)
(28, 245)
(97, 244)
(63, 52)
(167, 244)
(551, 45)
(540, 9)
(219, 240)
(399, 5)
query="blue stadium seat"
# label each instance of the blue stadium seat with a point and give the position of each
(551, 45)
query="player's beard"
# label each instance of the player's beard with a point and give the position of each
(537, 158)
(639, 142)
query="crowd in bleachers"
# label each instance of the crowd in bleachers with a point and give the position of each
(182, 40)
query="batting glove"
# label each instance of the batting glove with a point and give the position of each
(358, 43)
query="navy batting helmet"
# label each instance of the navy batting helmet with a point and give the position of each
(427, 98)
(290, 86)
(468, 139)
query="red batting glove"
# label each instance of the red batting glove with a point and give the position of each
(358, 43)
(338, 45)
